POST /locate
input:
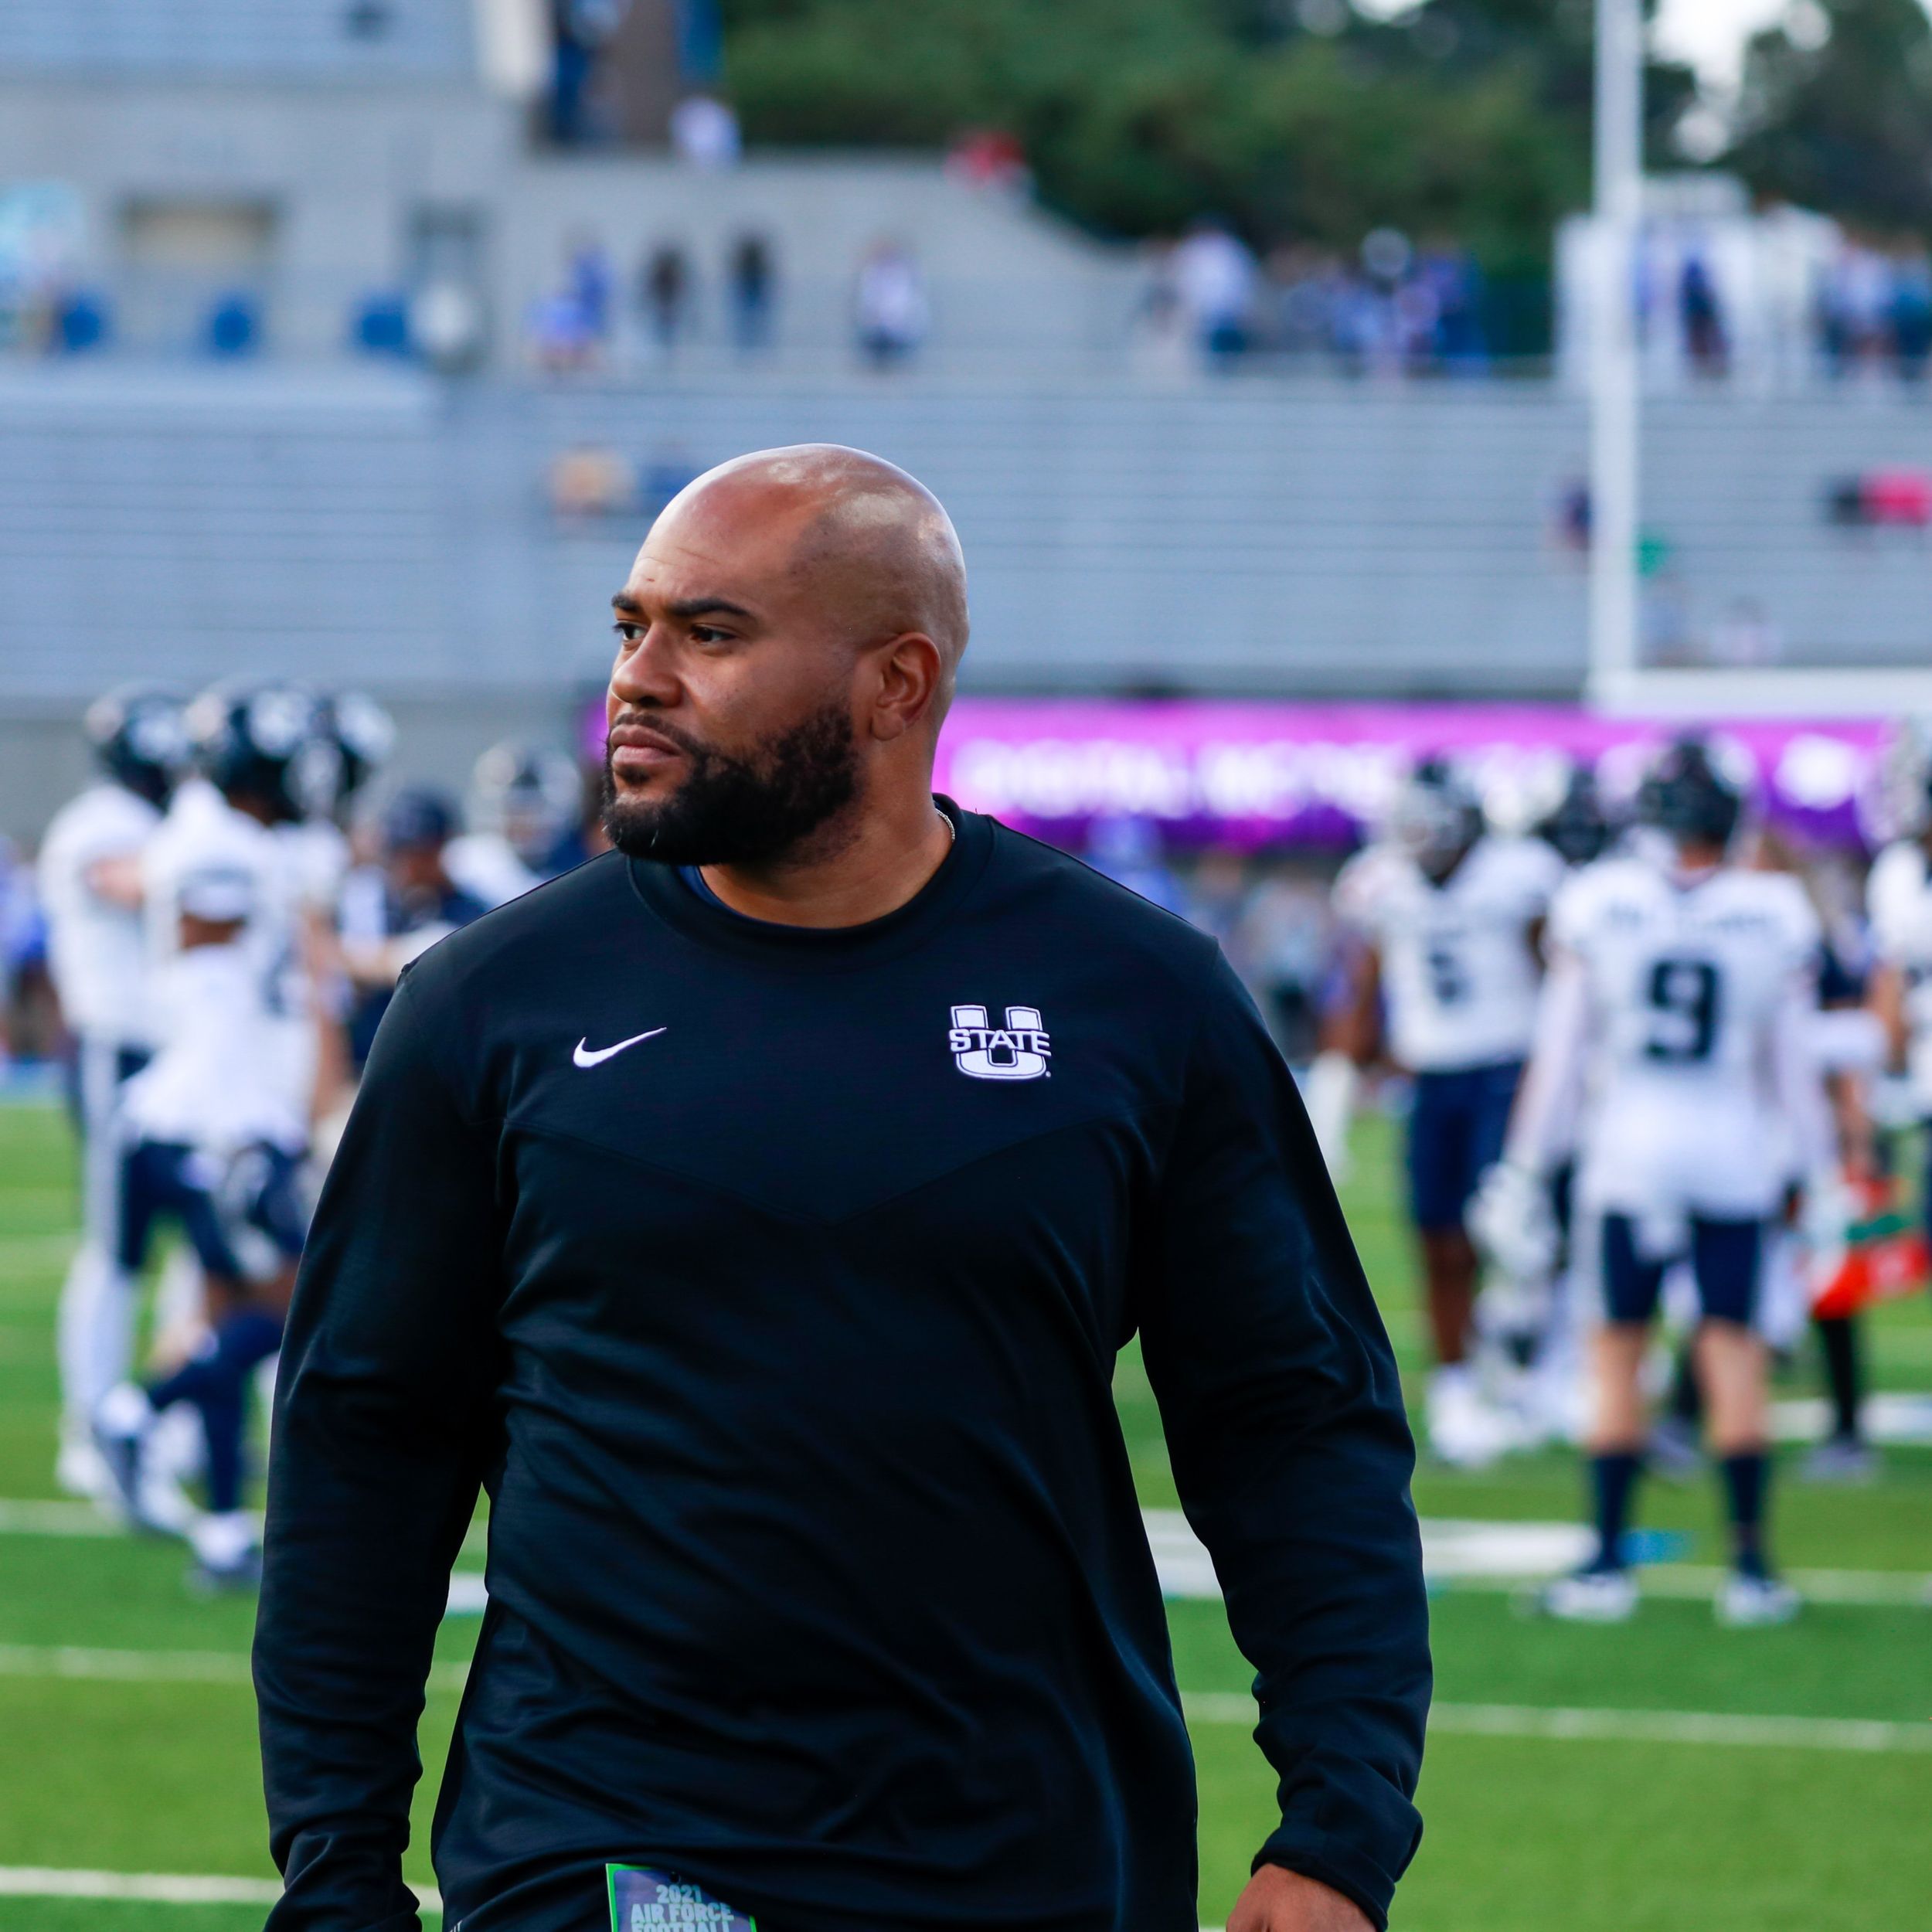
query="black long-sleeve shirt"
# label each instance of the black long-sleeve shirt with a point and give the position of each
(782, 1340)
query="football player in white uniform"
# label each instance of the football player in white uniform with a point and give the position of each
(1676, 1023)
(90, 881)
(1898, 900)
(215, 1132)
(526, 814)
(1448, 915)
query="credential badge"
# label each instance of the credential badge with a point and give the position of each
(1017, 1051)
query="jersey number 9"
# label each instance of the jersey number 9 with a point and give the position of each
(1683, 999)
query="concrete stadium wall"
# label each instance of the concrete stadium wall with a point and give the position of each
(343, 176)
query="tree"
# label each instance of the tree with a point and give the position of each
(1840, 121)
(1296, 120)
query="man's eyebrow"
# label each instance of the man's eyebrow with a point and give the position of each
(685, 607)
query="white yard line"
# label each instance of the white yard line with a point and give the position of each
(1643, 1727)
(1858, 1589)
(151, 1888)
(19, 1518)
(1203, 1707)
(160, 1666)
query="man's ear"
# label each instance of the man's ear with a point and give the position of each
(910, 672)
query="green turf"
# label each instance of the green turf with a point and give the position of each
(1523, 1835)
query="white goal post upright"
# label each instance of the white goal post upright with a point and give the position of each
(1619, 679)
(1614, 658)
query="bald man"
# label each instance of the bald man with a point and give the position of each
(756, 1213)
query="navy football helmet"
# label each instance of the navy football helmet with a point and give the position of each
(1436, 815)
(272, 741)
(365, 735)
(1577, 826)
(140, 739)
(531, 795)
(1688, 796)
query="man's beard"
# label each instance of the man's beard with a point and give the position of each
(740, 812)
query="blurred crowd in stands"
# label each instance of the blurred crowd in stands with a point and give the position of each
(1875, 310)
(591, 321)
(1392, 309)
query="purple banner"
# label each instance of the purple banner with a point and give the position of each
(1249, 774)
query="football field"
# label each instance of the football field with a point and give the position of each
(1667, 1776)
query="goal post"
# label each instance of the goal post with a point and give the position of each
(1754, 476)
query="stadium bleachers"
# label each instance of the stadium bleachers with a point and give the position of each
(1243, 537)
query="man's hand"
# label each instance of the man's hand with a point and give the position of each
(1277, 1900)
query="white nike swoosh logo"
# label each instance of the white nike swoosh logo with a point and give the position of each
(584, 1056)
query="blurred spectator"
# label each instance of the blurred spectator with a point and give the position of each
(751, 281)
(1856, 304)
(1162, 344)
(1285, 941)
(666, 297)
(1569, 516)
(591, 480)
(1701, 318)
(587, 278)
(1912, 309)
(1214, 274)
(990, 159)
(1899, 497)
(890, 310)
(1299, 291)
(579, 30)
(704, 132)
(1459, 344)
(558, 338)
(397, 909)
(568, 328)
(1394, 311)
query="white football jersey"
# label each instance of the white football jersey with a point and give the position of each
(1459, 975)
(221, 1078)
(485, 865)
(1699, 993)
(216, 1084)
(1898, 896)
(318, 853)
(96, 951)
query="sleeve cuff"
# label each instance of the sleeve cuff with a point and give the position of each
(1357, 1879)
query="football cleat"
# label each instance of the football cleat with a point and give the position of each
(1590, 1596)
(1842, 1459)
(81, 1470)
(228, 1556)
(1465, 1431)
(121, 1424)
(1746, 1602)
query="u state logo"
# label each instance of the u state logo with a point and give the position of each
(1018, 1051)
